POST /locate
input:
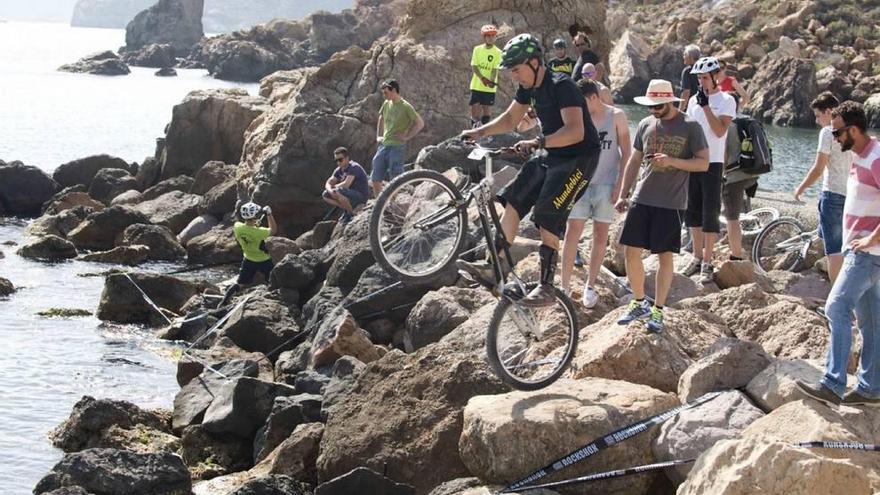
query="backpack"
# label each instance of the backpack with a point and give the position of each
(755, 154)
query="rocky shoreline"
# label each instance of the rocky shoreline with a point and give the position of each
(311, 386)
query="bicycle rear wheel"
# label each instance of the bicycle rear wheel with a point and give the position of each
(417, 226)
(779, 246)
(529, 348)
(754, 221)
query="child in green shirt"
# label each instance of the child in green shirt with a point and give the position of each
(251, 237)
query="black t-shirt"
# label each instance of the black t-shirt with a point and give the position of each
(558, 91)
(689, 81)
(587, 57)
(563, 65)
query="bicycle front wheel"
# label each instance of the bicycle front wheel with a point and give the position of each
(529, 348)
(755, 220)
(779, 246)
(417, 226)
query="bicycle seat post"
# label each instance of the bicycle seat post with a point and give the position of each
(489, 171)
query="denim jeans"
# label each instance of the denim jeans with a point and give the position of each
(388, 162)
(857, 287)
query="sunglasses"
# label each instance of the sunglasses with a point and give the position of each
(657, 107)
(580, 44)
(340, 159)
(838, 132)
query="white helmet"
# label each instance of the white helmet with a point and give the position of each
(706, 65)
(249, 210)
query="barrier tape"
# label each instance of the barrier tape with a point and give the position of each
(839, 445)
(606, 441)
(617, 473)
(147, 299)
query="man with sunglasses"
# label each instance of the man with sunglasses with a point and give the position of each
(587, 56)
(857, 286)
(348, 186)
(668, 146)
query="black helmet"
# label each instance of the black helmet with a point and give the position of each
(559, 43)
(520, 49)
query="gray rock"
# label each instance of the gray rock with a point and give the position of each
(100, 229)
(212, 174)
(158, 56)
(181, 183)
(292, 362)
(119, 471)
(174, 22)
(163, 246)
(49, 248)
(6, 287)
(299, 272)
(72, 490)
(273, 484)
(121, 302)
(149, 171)
(173, 209)
(111, 182)
(61, 224)
(91, 417)
(83, 170)
(199, 225)
(130, 197)
(729, 363)
(220, 200)
(104, 63)
(120, 255)
(785, 88)
(196, 395)
(298, 453)
(342, 380)
(218, 245)
(439, 312)
(310, 382)
(165, 72)
(24, 189)
(261, 325)
(363, 480)
(287, 413)
(209, 455)
(241, 407)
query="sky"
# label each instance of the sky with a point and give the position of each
(37, 10)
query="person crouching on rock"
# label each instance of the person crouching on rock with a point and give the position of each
(252, 239)
(348, 187)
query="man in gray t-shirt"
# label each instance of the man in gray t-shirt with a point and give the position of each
(667, 147)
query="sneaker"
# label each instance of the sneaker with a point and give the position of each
(655, 320)
(707, 273)
(345, 218)
(819, 392)
(854, 398)
(541, 296)
(635, 311)
(481, 271)
(578, 260)
(692, 267)
(590, 297)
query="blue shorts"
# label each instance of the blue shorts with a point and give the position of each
(831, 221)
(387, 163)
(354, 197)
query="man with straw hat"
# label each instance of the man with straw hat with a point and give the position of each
(668, 146)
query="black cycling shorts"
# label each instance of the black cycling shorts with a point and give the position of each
(482, 97)
(551, 185)
(653, 228)
(704, 199)
(249, 270)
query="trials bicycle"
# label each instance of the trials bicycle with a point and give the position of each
(783, 245)
(418, 229)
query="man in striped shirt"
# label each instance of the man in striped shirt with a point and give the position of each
(858, 285)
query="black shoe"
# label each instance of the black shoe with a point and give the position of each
(819, 392)
(541, 296)
(854, 398)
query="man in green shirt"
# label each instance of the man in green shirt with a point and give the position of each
(251, 237)
(398, 123)
(485, 61)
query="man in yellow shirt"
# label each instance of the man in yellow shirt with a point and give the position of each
(485, 61)
(251, 237)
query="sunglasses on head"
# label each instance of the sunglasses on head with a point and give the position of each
(838, 132)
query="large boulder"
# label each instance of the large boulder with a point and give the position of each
(104, 63)
(65, 201)
(775, 385)
(324, 114)
(212, 174)
(694, 431)
(111, 182)
(220, 200)
(83, 170)
(736, 467)
(785, 88)
(174, 22)
(728, 364)
(339, 336)
(261, 324)
(91, 421)
(61, 224)
(363, 480)
(119, 471)
(180, 183)
(49, 248)
(24, 189)
(217, 245)
(174, 209)
(156, 55)
(247, 55)
(163, 246)
(439, 312)
(208, 455)
(630, 73)
(505, 437)
(122, 302)
(297, 454)
(208, 125)
(242, 406)
(199, 225)
(196, 395)
(100, 229)
(6, 287)
(288, 413)
(120, 255)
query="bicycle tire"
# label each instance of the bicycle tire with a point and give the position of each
(410, 181)
(762, 257)
(492, 337)
(758, 216)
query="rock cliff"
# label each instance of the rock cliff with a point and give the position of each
(174, 22)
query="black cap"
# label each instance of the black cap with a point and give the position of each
(391, 84)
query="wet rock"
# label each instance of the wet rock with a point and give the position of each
(271, 485)
(163, 246)
(83, 170)
(261, 325)
(729, 364)
(241, 407)
(498, 440)
(734, 467)
(220, 200)
(297, 454)
(439, 312)
(208, 454)
(73, 490)
(49, 248)
(104, 63)
(174, 22)
(134, 254)
(287, 414)
(100, 229)
(182, 183)
(218, 245)
(6, 287)
(212, 174)
(775, 385)
(121, 302)
(111, 182)
(153, 55)
(365, 480)
(85, 427)
(208, 125)
(165, 72)
(174, 209)
(339, 336)
(199, 225)
(694, 431)
(119, 471)
(24, 189)
(785, 88)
